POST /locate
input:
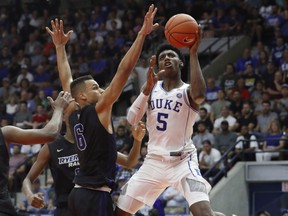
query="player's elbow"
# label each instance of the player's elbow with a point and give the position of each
(198, 99)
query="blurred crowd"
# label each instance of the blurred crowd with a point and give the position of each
(247, 104)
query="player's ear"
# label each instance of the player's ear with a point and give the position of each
(181, 64)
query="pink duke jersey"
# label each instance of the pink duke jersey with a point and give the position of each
(170, 120)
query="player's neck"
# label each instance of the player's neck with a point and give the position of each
(172, 84)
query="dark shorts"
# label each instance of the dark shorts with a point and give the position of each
(62, 211)
(88, 202)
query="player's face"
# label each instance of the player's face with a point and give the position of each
(93, 91)
(169, 61)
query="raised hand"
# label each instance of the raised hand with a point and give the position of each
(58, 36)
(152, 77)
(62, 101)
(148, 25)
(195, 46)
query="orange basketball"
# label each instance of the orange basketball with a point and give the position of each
(181, 30)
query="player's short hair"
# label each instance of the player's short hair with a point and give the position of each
(79, 84)
(169, 47)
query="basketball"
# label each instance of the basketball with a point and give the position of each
(181, 30)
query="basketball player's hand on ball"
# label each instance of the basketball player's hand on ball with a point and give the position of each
(148, 25)
(37, 200)
(152, 77)
(195, 46)
(59, 38)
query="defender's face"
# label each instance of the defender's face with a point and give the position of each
(92, 91)
(169, 60)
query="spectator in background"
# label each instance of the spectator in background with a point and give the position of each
(246, 145)
(202, 134)
(256, 92)
(24, 74)
(220, 23)
(247, 117)
(284, 65)
(250, 77)
(42, 79)
(271, 143)
(6, 89)
(265, 117)
(141, 73)
(208, 157)
(216, 106)
(97, 68)
(225, 138)
(22, 115)
(277, 51)
(246, 58)
(236, 104)
(254, 24)
(229, 78)
(203, 117)
(281, 105)
(274, 88)
(240, 86)
(225, 116)
(262, 65)
(12, 104)
(211, 90)
(39, 119)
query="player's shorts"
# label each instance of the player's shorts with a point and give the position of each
(156, 174)
(83, 201)
(62, 210)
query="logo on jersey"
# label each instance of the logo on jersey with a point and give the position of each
(179, 95)
(71, 160)
(166, 104)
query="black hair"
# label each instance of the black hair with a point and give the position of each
(206, 142)
(204, 109)
(169, 47)
(74, 86)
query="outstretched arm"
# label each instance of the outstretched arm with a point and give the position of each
(112, 93)
(48, 133)
(60, 39)
(131, 160)
(36, 200)
(197, 83)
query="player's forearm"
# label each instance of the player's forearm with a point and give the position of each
(197, 82)
(53, 127)
(63, 66)
(27, 188)
(134, 154)
(137, 109)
